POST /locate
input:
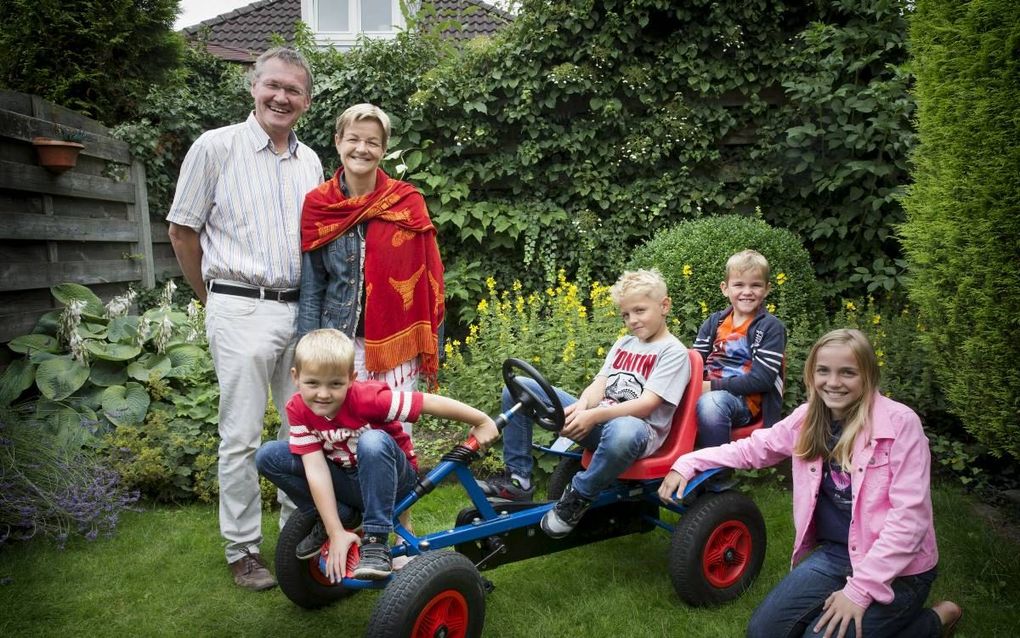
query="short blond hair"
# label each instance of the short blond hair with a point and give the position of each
(747, 260)
(639, 282)
(365, 111)
(325, 349)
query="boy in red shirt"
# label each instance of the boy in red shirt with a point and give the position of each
(348, 451)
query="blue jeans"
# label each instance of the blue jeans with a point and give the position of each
(615, 445)
(793, 608)
(718, 411)
(382, 476)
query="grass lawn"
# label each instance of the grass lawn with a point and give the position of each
(164, 575)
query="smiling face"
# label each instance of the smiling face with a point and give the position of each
(361, 147)
(837, 378)
(281, 96)
(644, 317)
(323, 390)
(746, 291)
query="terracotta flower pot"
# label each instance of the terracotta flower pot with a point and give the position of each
(57, 156)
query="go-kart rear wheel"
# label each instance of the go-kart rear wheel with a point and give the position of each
(301, 580)
(439, 594)
(562, 475)
(717, 549)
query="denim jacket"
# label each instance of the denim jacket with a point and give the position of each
(892, 531)
(331, 281)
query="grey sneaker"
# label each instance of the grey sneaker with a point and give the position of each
(565, 514)
(309, 546)
(375, 563)
(506, 487)
(251, 572)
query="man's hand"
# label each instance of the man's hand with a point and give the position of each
(339, 546)
(670, 486)
(840, 611)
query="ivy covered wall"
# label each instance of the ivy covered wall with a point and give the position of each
(587, 125)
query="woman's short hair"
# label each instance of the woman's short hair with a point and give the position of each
(365, 111)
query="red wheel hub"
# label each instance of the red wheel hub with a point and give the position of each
(445, 616)
(727, 553)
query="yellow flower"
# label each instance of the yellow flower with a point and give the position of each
(517, 285)
(483, 305)
(601, 351)
(687, 270)
(780, 278)
(877, 319)
(850, 306)
(490, 283)
(448, 349)
(771, 308)
(704, 308)
(549, 292)
(536, 359)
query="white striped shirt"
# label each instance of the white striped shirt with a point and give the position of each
(245, 201)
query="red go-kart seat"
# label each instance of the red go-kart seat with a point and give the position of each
(682, 432)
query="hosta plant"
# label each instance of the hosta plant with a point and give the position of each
(92, 364)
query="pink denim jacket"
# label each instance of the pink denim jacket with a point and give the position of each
(891, 530)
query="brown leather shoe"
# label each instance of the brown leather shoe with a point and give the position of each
(251, 572)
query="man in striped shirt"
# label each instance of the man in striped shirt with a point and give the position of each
(235, 228)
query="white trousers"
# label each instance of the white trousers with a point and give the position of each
(403, 377)
(252, 346)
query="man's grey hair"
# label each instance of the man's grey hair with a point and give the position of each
(288, 56)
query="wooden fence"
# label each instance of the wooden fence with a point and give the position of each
(89, 225)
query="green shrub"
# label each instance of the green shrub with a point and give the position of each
(692, 258)
(96, 57)
(962, 229)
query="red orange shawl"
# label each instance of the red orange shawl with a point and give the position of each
(403, 271)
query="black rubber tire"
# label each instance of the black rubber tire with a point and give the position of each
(300, 580)
(434, 588)
(717, 549)
(561, 476)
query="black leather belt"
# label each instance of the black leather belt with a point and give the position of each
(272, 294)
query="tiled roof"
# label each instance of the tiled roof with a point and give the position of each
(242, 34)
(476, 18)
(248, 29)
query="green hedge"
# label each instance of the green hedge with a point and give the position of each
(692, 258)
(963, 230)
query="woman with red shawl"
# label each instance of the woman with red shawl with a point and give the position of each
(370, 262)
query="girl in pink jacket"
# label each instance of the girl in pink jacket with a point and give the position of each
(865, 554)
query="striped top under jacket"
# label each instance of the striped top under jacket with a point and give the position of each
(245, 201)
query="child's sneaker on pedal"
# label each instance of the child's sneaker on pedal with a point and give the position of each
(565, 514)
(311, 544)
(508, 487)
(375, 563)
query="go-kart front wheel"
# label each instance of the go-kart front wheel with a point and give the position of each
(301, 580)
(717, 549)
(439, 594)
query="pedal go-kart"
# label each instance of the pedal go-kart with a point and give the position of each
(716, 551)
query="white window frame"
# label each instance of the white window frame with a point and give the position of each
(347, 39)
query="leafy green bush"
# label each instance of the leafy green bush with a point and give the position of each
(692, 257)
(53, 487)
(962, 228)
(92, 364)
(96, 57)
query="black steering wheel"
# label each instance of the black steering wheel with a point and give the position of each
(546, 411)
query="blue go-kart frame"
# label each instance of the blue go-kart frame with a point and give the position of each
(717, 547)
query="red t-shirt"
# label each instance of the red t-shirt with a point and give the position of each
(369, 405)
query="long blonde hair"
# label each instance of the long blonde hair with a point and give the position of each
(814, 434)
